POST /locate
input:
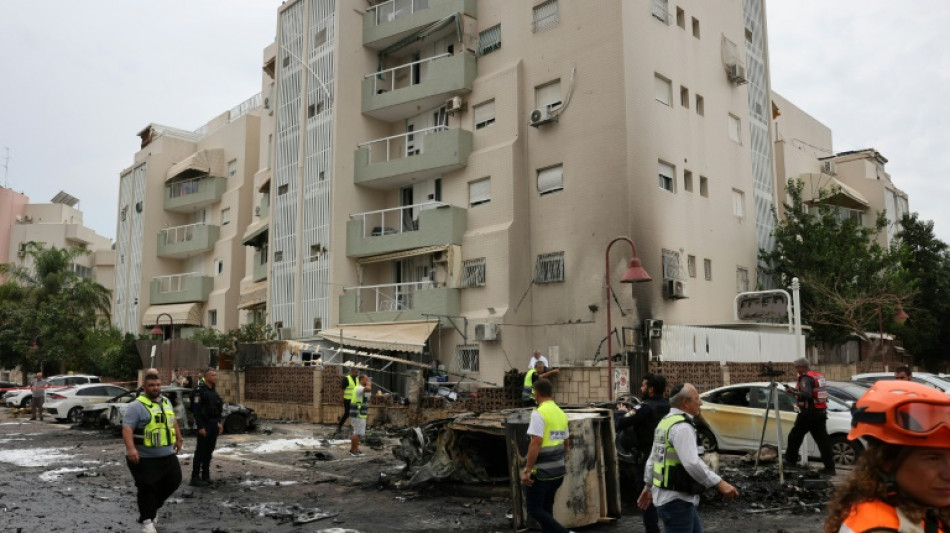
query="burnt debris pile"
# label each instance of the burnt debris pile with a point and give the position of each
(802, 492)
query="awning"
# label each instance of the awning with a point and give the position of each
(844, 195)
(202, 163)
(253, 295)
(396, 336)
(256, 234)
(182, 314)
(401, 254)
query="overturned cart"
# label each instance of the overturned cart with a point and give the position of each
(490, 448)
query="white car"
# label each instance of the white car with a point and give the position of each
(734, 416)
(68, 403)
(22, 397)
(931, 380)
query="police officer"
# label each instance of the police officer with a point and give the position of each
(152, 440)
(812, 400)
(207, 408)
(527, 393)
(642, 422)
(349, 385)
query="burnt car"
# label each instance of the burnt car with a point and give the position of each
(237, 418)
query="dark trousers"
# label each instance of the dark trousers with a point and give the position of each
(36, 406)
(203, 452)
(539, 500)
(680, 516)
(346, 414)
(810, 421)
(651, 521)
(156, 478)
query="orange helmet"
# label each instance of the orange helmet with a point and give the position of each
(903, 412)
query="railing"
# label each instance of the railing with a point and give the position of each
(405, 145)
(175, 282)
(392, 297)
(387, 78)
(392, 221)
(394, 9)
(179, 234)
(184, 188)
(244, 107)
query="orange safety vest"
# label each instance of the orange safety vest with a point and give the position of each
(878, 516)
(819, 394)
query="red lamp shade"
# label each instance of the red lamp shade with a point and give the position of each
(635, 272)
(156, 331)
(900, 316)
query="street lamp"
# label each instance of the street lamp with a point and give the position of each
(157, 330)
(634, 274)
(900, 317)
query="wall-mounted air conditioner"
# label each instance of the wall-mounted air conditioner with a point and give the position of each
(828, 167)
(486, 332)
(737, 74)
(540, 116)
(284, 333)
(454, 105)
(674, 289)
(653, 329)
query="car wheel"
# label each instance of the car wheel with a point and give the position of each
(707, 439)
(844, 451)
(25, 402)
(235, 424)
(75, 415)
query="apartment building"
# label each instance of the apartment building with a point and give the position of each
(445, 175)
(184, 205)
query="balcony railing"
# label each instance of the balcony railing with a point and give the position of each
(179, 234)
(175, 282)
(394, 221)
(180, 288)
(188, 240)
(391, 297)
(184, 188)
(394, 9)
(399, 146)
(388, 80)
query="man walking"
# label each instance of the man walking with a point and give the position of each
(348, 384)
(675, 474)
(152, 440)
(38, 389)
(544, 466)
(359, 412)
(642, 421)
(207, 407)
(812, 401)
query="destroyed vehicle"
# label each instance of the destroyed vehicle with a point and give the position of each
(237, 418)
(68, 403)
(22, 397)
(735, 416)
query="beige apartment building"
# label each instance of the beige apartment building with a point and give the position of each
(444, 176)
(184, 205)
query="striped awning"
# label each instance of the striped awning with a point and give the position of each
(182, 314)
(395, 336)
(201, 163)
(253, 295)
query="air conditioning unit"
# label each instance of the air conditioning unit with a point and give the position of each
(27, 218)
(540, 116)
(284, 333)
(486, 332)
(828, 167)
(454, 105)
(674, 289)
(267, 103)
(257, 211)
(737, 74)
(653, 329)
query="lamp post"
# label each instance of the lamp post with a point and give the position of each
(634, 274)
(157, 330)
(900, 317)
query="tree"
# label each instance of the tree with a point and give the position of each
(848, 279)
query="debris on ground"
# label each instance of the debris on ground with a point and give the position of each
(804, 491)
(282, 513)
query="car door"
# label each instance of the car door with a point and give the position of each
(730, 416)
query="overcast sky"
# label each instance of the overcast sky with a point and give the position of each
(80, 79)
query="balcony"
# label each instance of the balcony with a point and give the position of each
(391, 95)
(392, 230)
(397, 302)
(387, 23)
(185, 241)
(401, 159)
(180, 288)
(260, 265)
(191, 195)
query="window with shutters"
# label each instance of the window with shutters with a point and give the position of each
(662, 90)
(735, 129)
(742, 279)
(667, 175)
(691, 265)
(548, 95)
(550, 268)
(484, 114)
(550, 179)
(225, 216)
(544, 16)
(466, 357)
(212, 317)
(473, 272)
(489, 40)
(232, 167)
(738, 203)
(479, 192)
(707, 269)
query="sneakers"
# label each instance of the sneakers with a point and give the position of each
(148, 527)
(356, 454)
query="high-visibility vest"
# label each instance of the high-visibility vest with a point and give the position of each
(879, 516)
(668, 471)
(550, 463)
(158, 432)
(359, 405)
(819, 394)
(527, 394)
(350, 388)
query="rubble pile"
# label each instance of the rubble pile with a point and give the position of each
(803, 492)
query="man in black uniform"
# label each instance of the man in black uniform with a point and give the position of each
(207, 408)
(643, 421)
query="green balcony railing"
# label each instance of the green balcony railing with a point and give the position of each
(191, 195)
(397, 302)
(400, 159)
(260, 265)
(404, 228)
(185, 241)
(180, 288)
(388, 23)
(396, 93)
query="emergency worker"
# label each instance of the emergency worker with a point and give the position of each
(207, 407)
(152, 440)
(359, 412)
(348, 384)
(901, 483)
(812, 400)
(527, 391)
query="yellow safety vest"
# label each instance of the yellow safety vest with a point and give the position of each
(550, 463)
(526, 393)
(359, 406)
(348, 392)
(668, 471)
(159, 431)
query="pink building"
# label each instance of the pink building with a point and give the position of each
(12, 209)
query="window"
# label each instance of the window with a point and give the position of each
(548, 95)
(738, 203)
(479, 192)
(322, 175)
(544, 16)
(688, 181)
(707, 269)
(662, 90)
(232, 167)
(661, 10)
(742, 279)
(681, 18)
(691, 265)
(703, 186)
(282, 189)
(315, 251)
(550, 179)
(484, 114)
(320, 38)
(695, 27)
(278, 256)
(218, 266)
(700, 105)
(550, 268)
(473, 272)
(466, 357)
(212, 317)
(671, 265)
(317, 324)
(735, 129)
(667, 174)
(684, 97)
(225, 216)
(489, 40)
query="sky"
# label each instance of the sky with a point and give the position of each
(80, 79)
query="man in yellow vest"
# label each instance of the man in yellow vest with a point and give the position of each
(527, 394)
(544, 466)
(152, 441)
(359, 412)
(348, 384)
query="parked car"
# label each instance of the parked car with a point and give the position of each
(23, 397)
(734, 419)
(237, 418)
(847, 391)
(931, 380)
(68, 403)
